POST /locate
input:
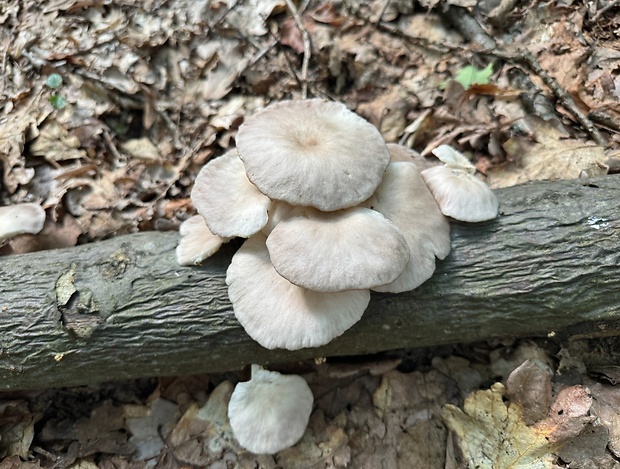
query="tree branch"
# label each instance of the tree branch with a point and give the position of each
(123, 308)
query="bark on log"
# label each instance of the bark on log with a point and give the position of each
(123, 308)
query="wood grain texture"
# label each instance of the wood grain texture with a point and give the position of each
(123, 308)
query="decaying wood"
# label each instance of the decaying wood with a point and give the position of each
(123, 308)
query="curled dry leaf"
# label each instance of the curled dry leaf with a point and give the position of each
(529, 385)
(54, 143)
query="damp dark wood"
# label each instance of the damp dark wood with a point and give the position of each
(123, 308)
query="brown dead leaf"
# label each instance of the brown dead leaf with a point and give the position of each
(388, 112)
(582, 438)
(529, 385)
(491, 90)
(429, 26)
(606, 406)
(148, 425)
(569, 413)
(550, 158)
(327, 14)
(505, 360)
(15, 462)
(409, 406)
(382, 11)
(54, 143)
(183, 390)
(103, 431)
(467, 377)
(291, 36)
(589, 449)
(17, 429)
(232, 58)
(54, 235)
(169, 209)
(203, 435)
(141, 148)
(26, 114)
(249, 17)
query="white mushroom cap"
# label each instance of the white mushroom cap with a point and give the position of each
(270, 412)
(197, 243)
(453, 159)
(404, 199)
(461, 195)
(20, 219)
(313, 153)
(230, 204)
(334, 251)
(401, 153)
(278, 314)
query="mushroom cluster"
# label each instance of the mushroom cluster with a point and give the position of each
(330, 212)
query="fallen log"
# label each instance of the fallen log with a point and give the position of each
(123, 308)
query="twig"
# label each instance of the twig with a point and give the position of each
(307, 47)
(469, 27)
(604, 120)
(111, 146)
(261, 53)
(605, 9)
(381, 13)
(527, 58)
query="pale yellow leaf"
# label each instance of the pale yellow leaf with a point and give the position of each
(492, 435)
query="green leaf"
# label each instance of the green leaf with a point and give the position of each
(470, 75)
(54, 81)
(57, 101)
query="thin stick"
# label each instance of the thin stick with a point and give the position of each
(564, 98)
(606, 8)
(381, 13)
(307, 47)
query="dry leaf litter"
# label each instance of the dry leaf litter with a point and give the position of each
(152, 90)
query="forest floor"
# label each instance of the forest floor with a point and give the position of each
(109, 108)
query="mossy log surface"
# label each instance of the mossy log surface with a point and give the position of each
(123, 308)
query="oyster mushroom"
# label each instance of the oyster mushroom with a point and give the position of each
(349, 249)
(405, 200)
(278, 314)
(458, 192)
(313, 153)
(270, 412)
(197, 242)
(230, 204)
